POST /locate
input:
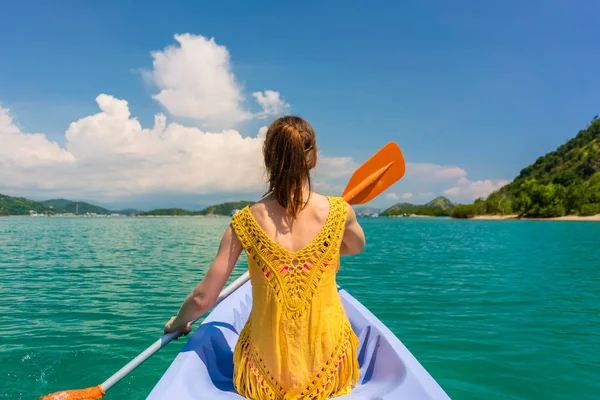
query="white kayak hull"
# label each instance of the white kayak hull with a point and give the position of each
(204, 367)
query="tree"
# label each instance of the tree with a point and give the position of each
(463, 211)
(575, 198)
(590, 209)
(479, 206)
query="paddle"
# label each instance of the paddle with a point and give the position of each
(378, 173)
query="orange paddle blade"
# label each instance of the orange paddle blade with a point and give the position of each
(92, 393)
(377, 174)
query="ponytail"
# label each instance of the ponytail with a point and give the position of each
(290, 153)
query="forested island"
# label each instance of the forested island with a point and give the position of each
(62, 207)
(227, 208)
(438, 207)
(21, 206)
(563, 182)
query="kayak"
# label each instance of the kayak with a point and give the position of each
(203, 369)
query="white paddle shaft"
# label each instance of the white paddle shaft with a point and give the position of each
(165, 339)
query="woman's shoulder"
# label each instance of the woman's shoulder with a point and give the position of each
(331, 206)
(326, 199)
(261, 207)
(319, 207)
(336, 201)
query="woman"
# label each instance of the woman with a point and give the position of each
(297, 342)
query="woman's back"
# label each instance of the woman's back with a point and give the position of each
(292, 233)
(297, 342)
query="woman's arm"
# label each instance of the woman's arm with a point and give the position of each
(204, 296)
(353, 241)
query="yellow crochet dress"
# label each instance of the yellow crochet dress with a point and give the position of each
(297, 343)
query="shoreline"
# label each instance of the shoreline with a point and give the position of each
(591, 218)
(114, 216)
(509, 217)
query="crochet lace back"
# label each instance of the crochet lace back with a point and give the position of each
(295, 305)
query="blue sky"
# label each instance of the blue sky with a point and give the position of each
(470, 91)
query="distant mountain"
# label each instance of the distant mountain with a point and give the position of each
(57, 204)
(21, 206)
(397, 208)
(218, 209)
(225, 208)
(128, 211)
(75, 207)
(167, 212)
(441, 202)
(440, 206)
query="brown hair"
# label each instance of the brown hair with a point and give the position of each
(290, 152)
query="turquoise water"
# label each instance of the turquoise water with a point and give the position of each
(493, 310)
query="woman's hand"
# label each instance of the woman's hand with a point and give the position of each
(173, 325)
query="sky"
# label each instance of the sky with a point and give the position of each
(154, 104)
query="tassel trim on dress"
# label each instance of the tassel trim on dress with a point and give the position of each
(336, 378)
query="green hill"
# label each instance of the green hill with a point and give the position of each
(225, 208)
(57, 204)
(129, 211)
(75, 207)
(64, 205)
(167, 212)
(563, 182)
(440, 202)
(440, 206)
(572, 163)
(399, 208)
(21, 206)
(218, 209)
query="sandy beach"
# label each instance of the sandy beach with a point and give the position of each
(576, 218)
(516, 217)
(495, 217)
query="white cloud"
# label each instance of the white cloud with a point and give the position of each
(26, 150)
(271, 103)
(467, 190)
(109, 154)
(428, 180)
(195, 80)
(334, 167)
(332, 174)
(434, 173)
(262, 132)
(396, 196)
